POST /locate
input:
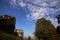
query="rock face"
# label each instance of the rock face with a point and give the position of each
(19, 32)
(7, 23)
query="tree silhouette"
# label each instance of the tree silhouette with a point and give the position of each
(44, 29)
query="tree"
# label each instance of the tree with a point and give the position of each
(29, 38)
(44, 29)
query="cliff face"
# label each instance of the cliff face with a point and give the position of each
(19, 32)
(7, 23)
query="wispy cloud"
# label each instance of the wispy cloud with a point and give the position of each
(22, 4)
(44, 7)
(39, 8)
(17, 3)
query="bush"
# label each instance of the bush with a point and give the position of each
(6, 36)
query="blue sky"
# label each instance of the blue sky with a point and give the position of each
(28, 11)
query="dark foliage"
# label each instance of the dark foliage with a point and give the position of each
(44, 30)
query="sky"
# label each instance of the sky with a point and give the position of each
(27, 12)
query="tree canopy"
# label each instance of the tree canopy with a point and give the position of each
(44, 29)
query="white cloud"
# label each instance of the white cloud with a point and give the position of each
(53, 3)
(44, 4)
(44, 8)
(54, 21)
(12, 2)
(38, 14)
(22, 4)
(39, 8)
(17, 3)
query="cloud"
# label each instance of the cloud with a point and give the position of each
(39, 8)
(38, 13)
(17, 3)
(43, 8)
(54, 21)
(22, 4)
(12, 2)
